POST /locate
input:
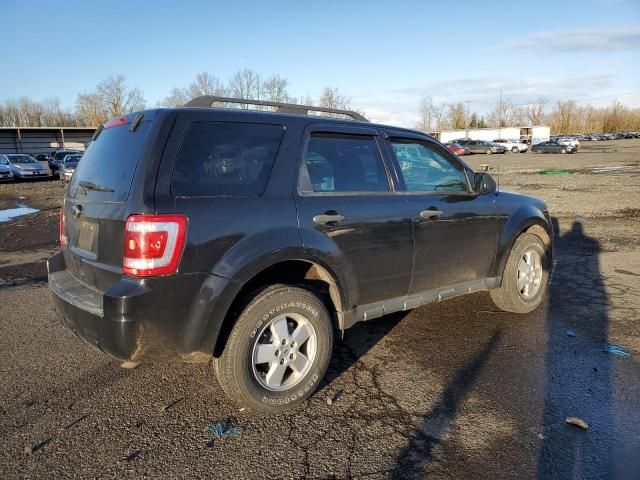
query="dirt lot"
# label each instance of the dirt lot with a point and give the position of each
(449, 390)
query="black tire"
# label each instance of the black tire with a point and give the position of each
(508, 297)
(515, 150)
(489, 151)
(235, 368)
(563, 150)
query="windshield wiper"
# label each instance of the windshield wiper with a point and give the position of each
(93, 186)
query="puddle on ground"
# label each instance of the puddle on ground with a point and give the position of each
(13, 209)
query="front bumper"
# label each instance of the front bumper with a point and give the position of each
(173, 316)
(30, 174)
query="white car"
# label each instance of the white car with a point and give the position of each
(515, 146)
(569, 141)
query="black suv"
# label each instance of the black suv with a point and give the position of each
(257, 237)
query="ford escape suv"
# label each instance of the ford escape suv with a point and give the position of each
(257, 237)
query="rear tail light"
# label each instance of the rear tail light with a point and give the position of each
(61, 228)
(153, 244)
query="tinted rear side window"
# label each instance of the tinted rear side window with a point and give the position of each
(345, 163)
(226, 158)
(110, 162)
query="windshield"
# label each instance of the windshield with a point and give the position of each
(22, 159)
(61, 155)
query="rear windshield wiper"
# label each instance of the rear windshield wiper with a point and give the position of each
(93, 186)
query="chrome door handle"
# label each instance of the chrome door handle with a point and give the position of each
(430, 213)
(328, 218)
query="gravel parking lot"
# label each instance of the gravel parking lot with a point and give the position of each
(450, 390)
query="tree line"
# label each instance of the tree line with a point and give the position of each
(563, 117)
(113, 97)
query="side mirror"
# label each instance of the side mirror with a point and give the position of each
(483, 183)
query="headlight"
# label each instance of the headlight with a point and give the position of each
(19, 167)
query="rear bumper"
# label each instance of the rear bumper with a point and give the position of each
(173, 316)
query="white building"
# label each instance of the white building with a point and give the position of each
(535, 134)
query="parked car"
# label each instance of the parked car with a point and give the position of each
(515, 146)
(25, 166)
(458, 149)
(481, 146)
(569, 141)
(68, 166)
(6, 174)
(257, 238)
(56, 159)
(552, 146)
(41, 157)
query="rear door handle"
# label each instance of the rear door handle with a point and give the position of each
(430, 213)
(328, 217)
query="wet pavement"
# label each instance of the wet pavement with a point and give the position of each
(455, 389)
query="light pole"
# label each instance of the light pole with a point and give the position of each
(466, 120)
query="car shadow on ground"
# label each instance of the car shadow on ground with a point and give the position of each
(563, 451)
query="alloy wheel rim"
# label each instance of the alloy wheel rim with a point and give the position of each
(529, 274)
(284, 351)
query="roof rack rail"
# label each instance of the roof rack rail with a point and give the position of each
(205, 101)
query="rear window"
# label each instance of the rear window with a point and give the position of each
(225, 159)
(110, 162)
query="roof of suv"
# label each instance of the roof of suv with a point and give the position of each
(283, 110)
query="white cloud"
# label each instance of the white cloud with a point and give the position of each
(598, 40)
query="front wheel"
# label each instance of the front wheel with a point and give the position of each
(563, 150)
(525, 276)
(278, 350)
(515, 150)
(489, 151)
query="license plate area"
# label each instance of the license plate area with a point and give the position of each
(88, 236)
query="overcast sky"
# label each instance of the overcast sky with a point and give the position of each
(384, 55)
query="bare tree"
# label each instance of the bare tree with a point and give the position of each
(565, 113)
(535, 111)
(274, 89)
(177, 98)
(245, 84)
(332, 98)
(427, 111)
(90, 110)
(503, 112)
(206, 84)
(117, 98)
(457, 114)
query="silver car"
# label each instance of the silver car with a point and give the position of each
(25, 166)
(5, 169)
(68, 167)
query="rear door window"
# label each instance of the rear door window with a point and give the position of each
(225, 159)
(338, 163)
(109, 163)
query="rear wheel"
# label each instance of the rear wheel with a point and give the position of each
(525, 276)
(563, 150)
(278, 350)
(489, 151)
